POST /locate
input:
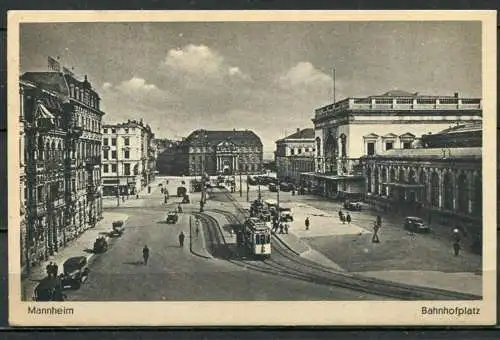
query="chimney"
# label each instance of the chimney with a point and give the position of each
(298, 130)
(456, 94)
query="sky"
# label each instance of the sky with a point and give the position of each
(268, 77)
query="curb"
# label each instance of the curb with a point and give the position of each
(208, 257)
(286, 245)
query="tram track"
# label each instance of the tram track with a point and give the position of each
(290, 264)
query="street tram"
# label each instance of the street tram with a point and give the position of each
(256, 236)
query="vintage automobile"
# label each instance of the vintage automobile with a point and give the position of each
(284, 186)
(353, 205)
(75, 272)
(118, 227)
(49, 289)
(273, 187)
(286, 214)
(416, 224)
(100, 245)
(181, 191)
(172, 217)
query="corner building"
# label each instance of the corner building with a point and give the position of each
(295, 155)
(61, 121)
(128, 158)
(354, 127)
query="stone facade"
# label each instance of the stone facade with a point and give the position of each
(220, 152)
(444, 180)
(354, 127)
(60, 159)
(295, 155)
(128, 157)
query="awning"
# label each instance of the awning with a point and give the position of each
(44, 112)
(404, 185)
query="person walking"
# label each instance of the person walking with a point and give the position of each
(55, 269)
(286, 228)
(145, 254)
(306, 222)
(348, 218)
(456, 241)
(342, 219)
(376, 228)
(179, 208)
(48, 269)
(181, 239)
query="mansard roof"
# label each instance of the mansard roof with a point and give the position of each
(214, 137)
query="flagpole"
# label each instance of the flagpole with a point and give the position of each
(333, 86)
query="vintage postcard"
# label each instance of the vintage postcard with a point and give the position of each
(252, 168)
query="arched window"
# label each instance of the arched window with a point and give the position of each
(343, 142)
(448, 191)
(412, 177)
(330, 153)
(318, 147)
(435, 190)
(376, 182)
(392, 179)
(77, 93)
(47, 150)
(384, 179)
(369, 179)
(59, 151)
(401, 176)
(463, 194)
(477, 207)
(423, 191)
(40, 147)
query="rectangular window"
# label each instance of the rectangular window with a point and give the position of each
(389, 145)
(105, 130)
(370, 148)
(127, 169)
(105, 168)
(105, 141)
(292, 151)
(406, 145)
(113, 141)
(300, 150)
(126, 130)
(126, 154)
(106, 154)
(113, 130)
(126, 141)
(113, 154)
(113, 167)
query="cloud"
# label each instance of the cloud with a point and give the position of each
(304, 75)
(200, 61)
(136, 86)
(107, 86)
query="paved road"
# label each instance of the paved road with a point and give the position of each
(398, 250)
(173, 273)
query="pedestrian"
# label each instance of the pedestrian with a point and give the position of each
(286, 228)
(379, 220)
(375, 238)
(137, 196)
(281, 228)
(341, 215)
(306, 222)
(342, 218)
(48, 269)
(166, 199)
(179, 208)
(348, 218)
(456, 247)
(123, 198)
(181, 239)
(55, 269)
(145, 254)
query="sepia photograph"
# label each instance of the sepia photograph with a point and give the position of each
(256, 168)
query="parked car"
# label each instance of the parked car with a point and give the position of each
(284, 186)
(273, 187)
(100, 245)
(415, 224)
(353, 205)
(286, 214)
(75, 272)
(172, 217)
(49, 289)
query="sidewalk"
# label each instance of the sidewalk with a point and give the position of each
(417, 260)
(81, 246)
(197, 243)
(131, 200)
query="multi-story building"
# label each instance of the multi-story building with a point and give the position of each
(128, 157)
(443, 178)
(221, 152)
(295, 155)
(353, 127)
(61, 119)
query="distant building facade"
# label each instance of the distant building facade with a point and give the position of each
(442, 179)
(128, 157)
(354, 127)
(169, 160)
(220, 152)
(60, 162)
(295, 155)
